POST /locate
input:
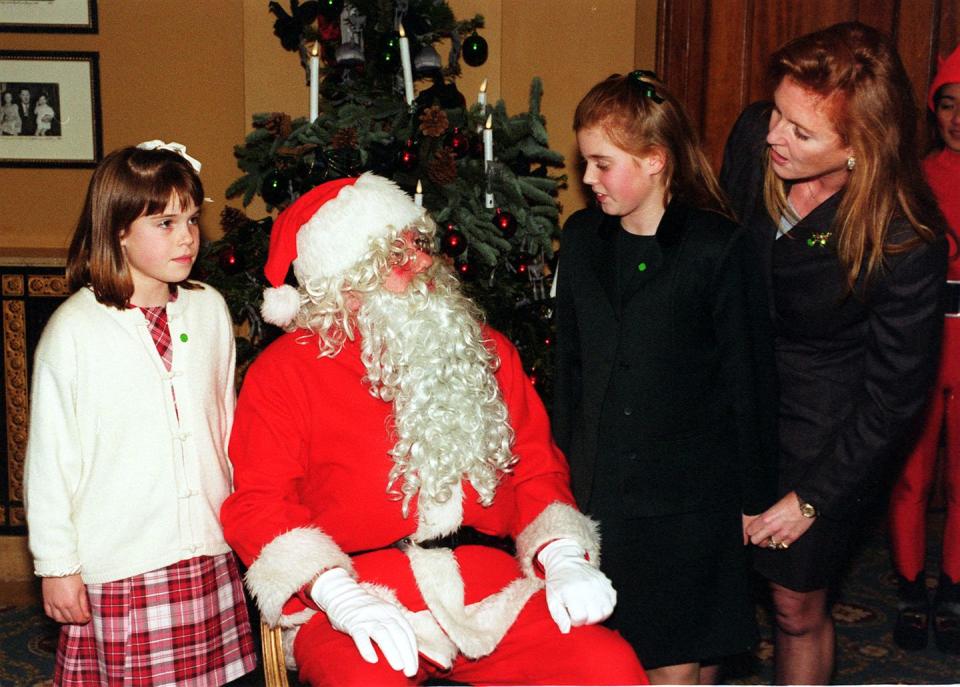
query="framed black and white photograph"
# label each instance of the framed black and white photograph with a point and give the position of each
(48, 16)
(49, 109)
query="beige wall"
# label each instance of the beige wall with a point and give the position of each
(195, 72)
(170, 69)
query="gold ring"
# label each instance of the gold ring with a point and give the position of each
(783, 545)
(774, 544)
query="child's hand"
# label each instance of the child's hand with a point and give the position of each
(65, 599)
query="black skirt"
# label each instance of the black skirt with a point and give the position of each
(682, 581)
(814, 561)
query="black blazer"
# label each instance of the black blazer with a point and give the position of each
(677, 380)
(854, 368)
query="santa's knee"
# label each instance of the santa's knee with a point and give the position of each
(328, 658)
(596, 655)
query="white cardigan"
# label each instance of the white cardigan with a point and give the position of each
(115, 484)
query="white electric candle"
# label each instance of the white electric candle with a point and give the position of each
(488, 155)
(482, 95)
(418, 196)
(405, 64)
(314, 81)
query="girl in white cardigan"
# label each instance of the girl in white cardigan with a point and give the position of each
(132, 403)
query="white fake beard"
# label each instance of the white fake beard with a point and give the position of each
(423, 350)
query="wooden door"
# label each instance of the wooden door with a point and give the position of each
(713, 53)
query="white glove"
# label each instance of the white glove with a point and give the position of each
(355, 611)
(577, 593)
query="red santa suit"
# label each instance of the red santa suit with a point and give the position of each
(310, 453)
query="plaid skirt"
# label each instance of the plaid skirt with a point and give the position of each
(185, 624)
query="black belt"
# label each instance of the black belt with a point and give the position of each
(951, 299)
(465, 536)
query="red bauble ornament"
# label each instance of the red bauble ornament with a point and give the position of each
(460, 143)
(228, 260)
(505, 222)
(453, 242)
(522, 264)
(408, 156)
(466, 270)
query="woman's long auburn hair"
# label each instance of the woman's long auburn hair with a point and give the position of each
(857, 71)
(128, 183)
(638, 114)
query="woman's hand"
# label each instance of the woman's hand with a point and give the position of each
(747, 521)
(65, 599)
(780, 525)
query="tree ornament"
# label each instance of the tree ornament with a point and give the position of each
(475, 49)
(408, 157)
(330, 9)
(522, 264)
(349, 55)
(453, 243)
(466, 270)
(427, 63)
(459, 143)
(442, 169)
(434, 121)
(505, 222)
(274, 188)
(228, 260)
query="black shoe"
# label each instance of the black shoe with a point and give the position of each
(913, 615)
(946, 616)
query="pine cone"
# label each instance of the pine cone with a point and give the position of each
(434, 122)
(442, 169)
(344, 138)
(278, 124)
(232, 219)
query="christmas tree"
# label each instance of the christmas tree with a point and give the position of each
(483, 174)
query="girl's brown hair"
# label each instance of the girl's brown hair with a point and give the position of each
(857, 71)
(638, 114)
(127, 184)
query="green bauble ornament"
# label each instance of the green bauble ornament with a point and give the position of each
(275, 189)
(475, 49)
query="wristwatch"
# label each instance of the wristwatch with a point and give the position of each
(807, 510)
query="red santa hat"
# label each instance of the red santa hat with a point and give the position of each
(328, 230)
(948, 71)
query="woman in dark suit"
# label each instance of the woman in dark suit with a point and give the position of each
(827, 180)
(662, 400)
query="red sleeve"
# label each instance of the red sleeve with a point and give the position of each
(541, 476)
(268, 460)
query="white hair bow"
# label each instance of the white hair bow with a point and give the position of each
(177, 148)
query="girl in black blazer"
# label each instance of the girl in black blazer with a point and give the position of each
(664, 403)
(827, 180)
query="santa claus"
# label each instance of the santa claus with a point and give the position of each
(397, 488)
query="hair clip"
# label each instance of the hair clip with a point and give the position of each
(177, 148)
(640, 78)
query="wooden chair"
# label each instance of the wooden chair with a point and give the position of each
(274, 664)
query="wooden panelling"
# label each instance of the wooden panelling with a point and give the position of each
(713, 53)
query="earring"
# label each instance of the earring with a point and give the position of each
(851, 163)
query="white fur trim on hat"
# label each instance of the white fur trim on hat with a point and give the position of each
(280, 305)
(339, 233)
